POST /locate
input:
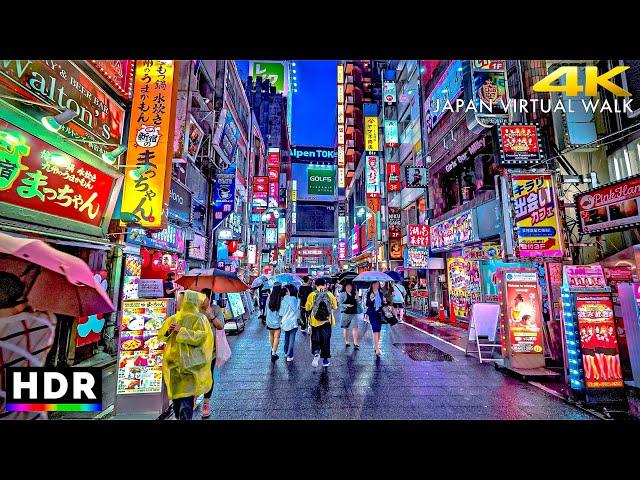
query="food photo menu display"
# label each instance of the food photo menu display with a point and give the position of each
(140, 360)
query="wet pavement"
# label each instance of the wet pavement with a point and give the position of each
(358, 386)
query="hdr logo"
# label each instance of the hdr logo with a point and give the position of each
(32, 389)
(571, 86)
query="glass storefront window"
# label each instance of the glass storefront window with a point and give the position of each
(625, 161)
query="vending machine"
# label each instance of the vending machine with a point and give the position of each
(590, 339)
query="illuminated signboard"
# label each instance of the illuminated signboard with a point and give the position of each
(252, 254)
(117, 73)
(389, 92)
(340, 73)
(454, 231)
(198, 247)
(342, 227)
(418, 235)
(342, 250)
(522, 303)
(145, 195)
(534, 203)
(372, 172)
(391, 133)
(355, 240)
(519, 144)
(448, 89)
(416, 257)
(276, 72)
(393, 177)
(371, 134)
(314, 182)
(416, 177)
(271, 236)
(273, 157)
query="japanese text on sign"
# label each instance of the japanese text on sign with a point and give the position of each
(418, 235)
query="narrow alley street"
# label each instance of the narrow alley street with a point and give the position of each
(357, 386)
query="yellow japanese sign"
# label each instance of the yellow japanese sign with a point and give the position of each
(145, 198)
(371, 134)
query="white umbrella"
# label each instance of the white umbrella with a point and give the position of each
(368, 277)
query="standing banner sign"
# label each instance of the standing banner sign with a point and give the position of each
(521, 318)
(145, 197)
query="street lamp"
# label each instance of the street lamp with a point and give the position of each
(362, 213)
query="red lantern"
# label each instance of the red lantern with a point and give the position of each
(232, 246)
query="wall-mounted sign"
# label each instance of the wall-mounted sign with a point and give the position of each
(465, 156)
(394, 222)
(389, 92)
(519, 144)
(454, 231)
(584, 277)
(117, 73)
(321, 181)
(355, 240)
(371, 134)
(417, 257)
(271, 236)
(490, 96)
(179, 202)
(483, 251)
(150, 288)
(342, 250)
(446, 90)
(372, 172)
(194, 135)
(490, 65)
(610, 207)
(393, 177)
(395, 249)
(275, 72)
(391, 133)
(198, 248)
(416, 177)
(63, 85)
(418, 235)
(146, 186)
(341, 168)
(536, 215)
(302, 153)
(37, 178)
(273, 158)
(169, 238)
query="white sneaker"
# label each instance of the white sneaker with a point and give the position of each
(316, 360)
(289, 359)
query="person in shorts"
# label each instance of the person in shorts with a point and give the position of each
(399, 294)
(348, 302)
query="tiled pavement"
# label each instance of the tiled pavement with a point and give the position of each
(357, 386)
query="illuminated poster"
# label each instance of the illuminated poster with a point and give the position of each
(389, 92)
(417, 257)
(536, 216)
(418, 235)
(393, 177)
(416, 177)
(342, 250)
(235, 304)
(391, 133)
(140, 359)
(132, 270)
(145, 197)
(395, 249)
(519, 144)
(584, 276)
(524, 313)
(463, 279)
(455, 230)
(271, 236)
(371, 134)
(598, 341)
(372, 172)
(394, 222)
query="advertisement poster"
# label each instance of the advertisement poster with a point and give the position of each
(394, 221)
(417, 257)
(275, 72)
(391, 133)
(194, 134)
(453, 231)
(395, 249)
(146, 187)
(598, 341)
(389, 92)
(416, 177)
(524, 312)
(150, 288)
(132, 270)
(314, 182)
(418, 235)
(140, 358)
(615, 206)
(235, 304)
(38, 177)
(372, 172)
(393, 177)
(584, 276)
(447, 90)
(519, 144)
(463, 279)
(536, 216)
(490, 92)
(489, 277)
(483, 251)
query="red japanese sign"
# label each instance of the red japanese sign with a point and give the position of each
(612, 207)
(273, 157)
(36, 176)
(598, 341)
(62, 85)
(489, 65)
(393, 177)
(518, 143)
(418, 235)
(274, 174)
(260, 184)
(117, 73)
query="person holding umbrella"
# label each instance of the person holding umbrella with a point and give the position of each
(375, 301)
(26, 337)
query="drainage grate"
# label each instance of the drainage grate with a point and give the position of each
(424, 352)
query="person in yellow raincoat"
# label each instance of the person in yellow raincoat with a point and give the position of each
(186, 366)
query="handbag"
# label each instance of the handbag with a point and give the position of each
(388, 315)
(223, 350)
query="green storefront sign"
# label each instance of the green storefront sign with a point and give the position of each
(272, 71)
(321, 181)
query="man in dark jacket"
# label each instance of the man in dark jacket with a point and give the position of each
(303, 293)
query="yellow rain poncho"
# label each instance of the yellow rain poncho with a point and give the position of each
(186, 365)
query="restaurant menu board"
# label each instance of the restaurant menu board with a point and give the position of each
(598, 341)
(523, 304)
(140, 359)
(132, 269)
(235, 304)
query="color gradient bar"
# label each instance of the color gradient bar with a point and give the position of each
(54, 407)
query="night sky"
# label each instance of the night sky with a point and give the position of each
(314, 106)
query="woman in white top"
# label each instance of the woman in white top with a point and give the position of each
(399, 294)
(290, 314)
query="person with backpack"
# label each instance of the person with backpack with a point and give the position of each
(320, 304)
(303, 293)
